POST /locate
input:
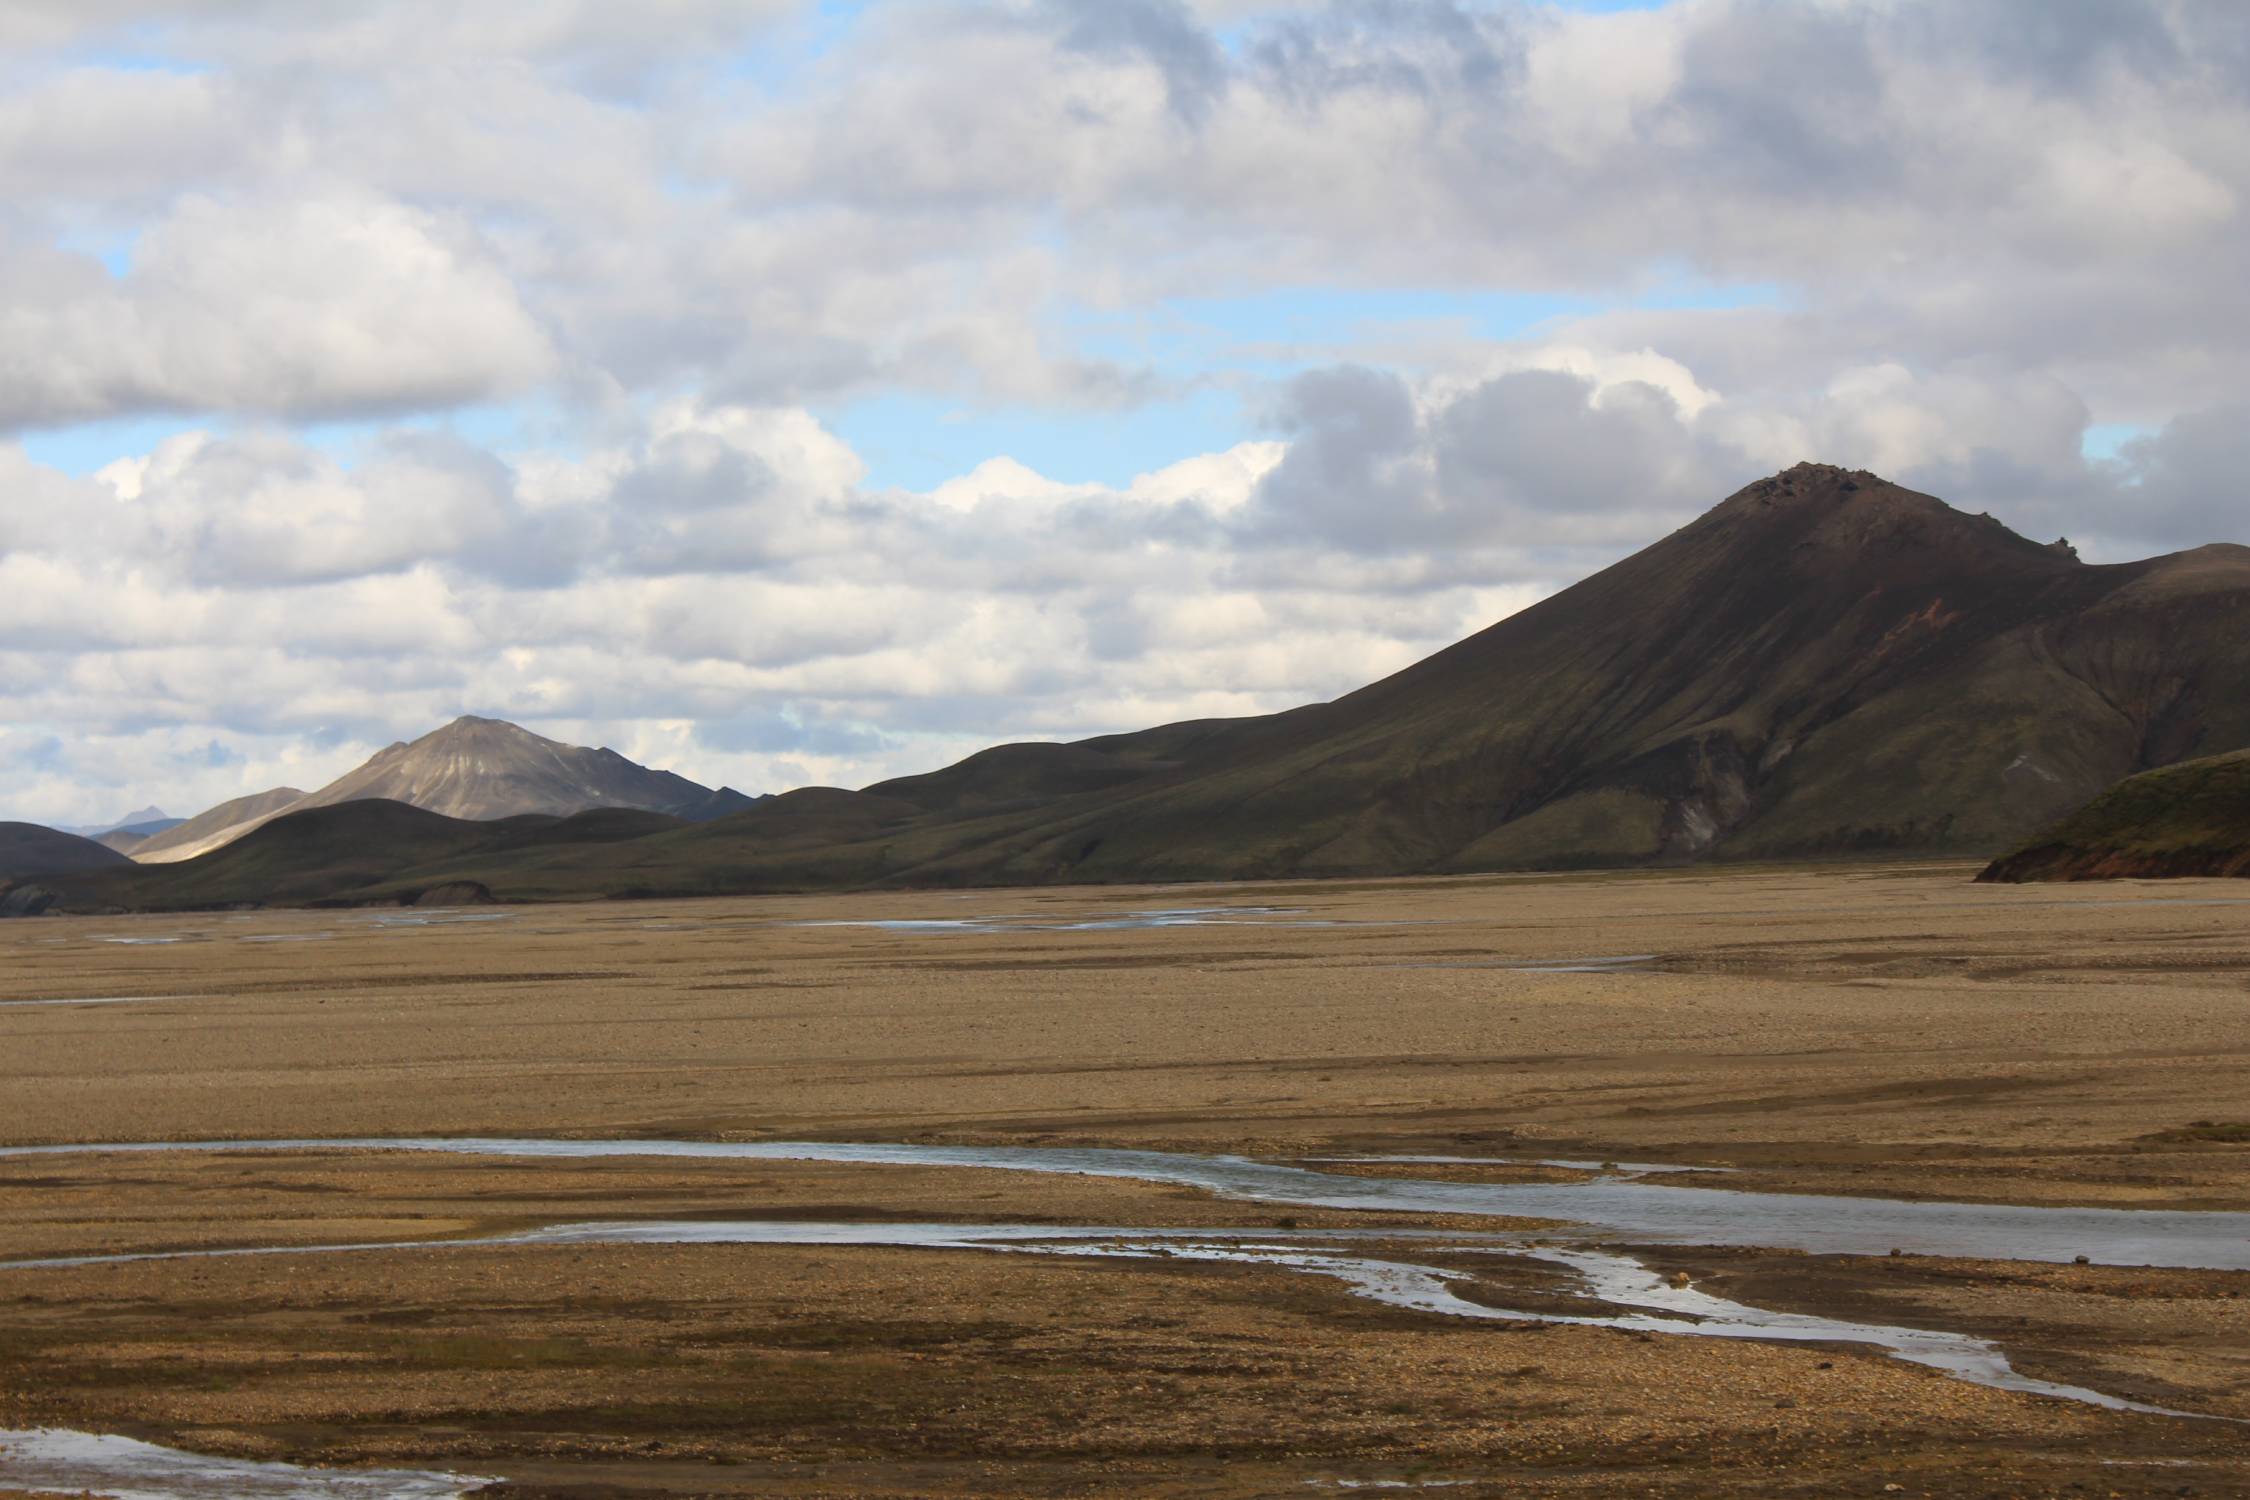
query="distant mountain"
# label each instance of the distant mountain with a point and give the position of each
(29, 849)
(481, 769)
(125, 840)
(2188, 819)
(216, 826)
(724, 802)
(472, 769)
(150, 814)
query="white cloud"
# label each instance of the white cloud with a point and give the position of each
(325, 305)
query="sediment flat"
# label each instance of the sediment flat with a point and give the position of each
(1889, 1031)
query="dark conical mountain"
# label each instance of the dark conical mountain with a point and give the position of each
(1824, 663)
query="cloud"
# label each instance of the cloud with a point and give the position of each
(320, 306)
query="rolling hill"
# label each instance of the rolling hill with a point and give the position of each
(365, 850)
(29, 849)
(2188, 819)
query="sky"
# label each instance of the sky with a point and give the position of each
(791, 391)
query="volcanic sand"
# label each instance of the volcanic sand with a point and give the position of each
(1881, 1030)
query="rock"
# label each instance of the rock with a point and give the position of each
(455, 893)
(27, 900)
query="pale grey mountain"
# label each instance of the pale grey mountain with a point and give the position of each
(482, 769)
(473, 768)
(133, 820)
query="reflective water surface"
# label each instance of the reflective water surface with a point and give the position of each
(78, 1462)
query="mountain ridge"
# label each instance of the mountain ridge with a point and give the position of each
(1822, 665)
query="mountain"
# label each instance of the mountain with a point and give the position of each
(215, 826)
(2188, 819)
(29, 849)
(1823, 664)
(484, 768)
(472, 769)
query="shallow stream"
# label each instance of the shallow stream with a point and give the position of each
(1619, 1291)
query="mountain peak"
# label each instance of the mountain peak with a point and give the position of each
(1827, 517)
(482, 768)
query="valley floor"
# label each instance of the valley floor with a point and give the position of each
(1884, 1030)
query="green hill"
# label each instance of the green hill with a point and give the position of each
(2190, 819)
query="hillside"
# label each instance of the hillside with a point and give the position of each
(132, 835)
(367, 850)
(482, 769)
(2190, 819)
(215, 826)
(30, 849)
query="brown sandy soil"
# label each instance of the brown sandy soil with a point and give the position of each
(948, 1372)
(1882, 1030)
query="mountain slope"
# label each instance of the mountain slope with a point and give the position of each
(214, 826)
(1824, 663)
(2189, 819)
(30, 849)
(132, 835)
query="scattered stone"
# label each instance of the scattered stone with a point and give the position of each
(455, 893)
(27, 900)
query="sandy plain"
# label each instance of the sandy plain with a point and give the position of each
(1881, 1030)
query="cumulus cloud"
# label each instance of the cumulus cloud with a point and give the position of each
(309, 307)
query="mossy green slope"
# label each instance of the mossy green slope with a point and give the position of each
(2189, 819)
